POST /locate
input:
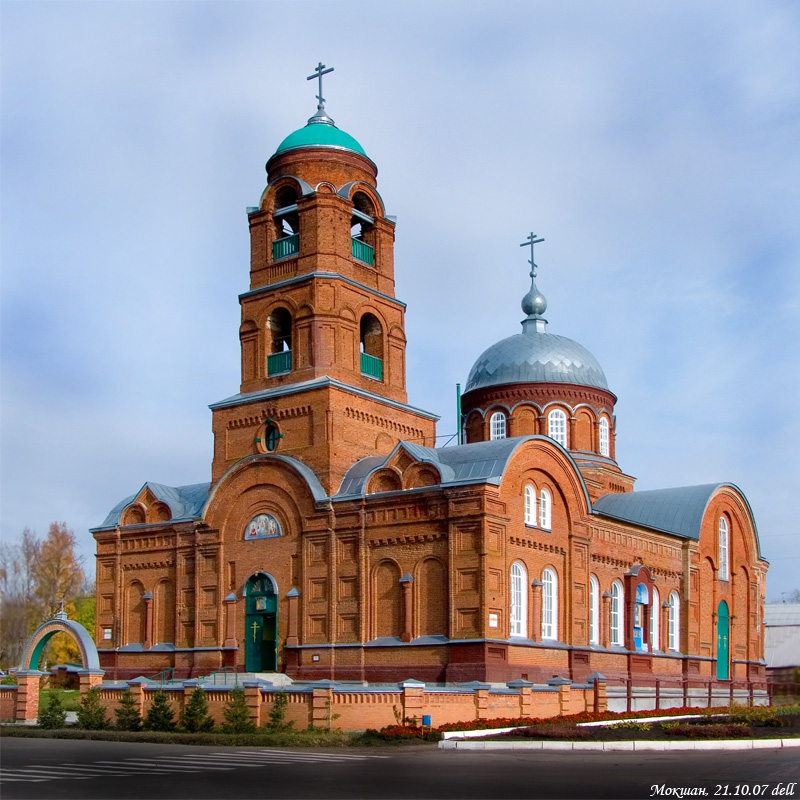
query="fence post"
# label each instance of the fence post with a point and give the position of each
(413, 700)
(658, 694)
(252, 696)
(685, 687)
(322, 704)
(89, 678)
(26, 709)
(137, 687)
(600, 699)
(629, 693)
(730, 701)
(708, 704)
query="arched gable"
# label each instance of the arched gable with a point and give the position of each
(32, 654)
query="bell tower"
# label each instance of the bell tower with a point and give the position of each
(322, 334)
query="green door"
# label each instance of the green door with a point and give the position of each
(261, 626)
(723, 641)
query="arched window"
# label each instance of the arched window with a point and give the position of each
(362, 229)
(530, 504)
(497, 426)
(594, 610)
(604, 451)
(549, 604)
(655, 622)
(557, 426)
(724, 571)
(519, 600)
(674, 638)
(371, 345)
(279, 359)
(617, 614)
(545, 506)
(286, 241)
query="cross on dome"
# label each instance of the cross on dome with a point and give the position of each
(319, 71)
(534, 303)
(530, 242)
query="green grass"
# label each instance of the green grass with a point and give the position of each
(70, 698)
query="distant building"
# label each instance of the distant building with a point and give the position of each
(782, 648)
(334, 539)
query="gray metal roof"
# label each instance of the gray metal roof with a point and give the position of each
(536, 357)
(185, 502)
(782, 614)
(480, 462)
(678, 511)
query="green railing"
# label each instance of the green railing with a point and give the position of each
(211, 678)
(371, 366)
(278, 363)
(288, 246)
(363, 252)
(165, 676)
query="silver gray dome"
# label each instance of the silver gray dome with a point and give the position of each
(536, 357)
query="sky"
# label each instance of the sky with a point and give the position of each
(655, 147)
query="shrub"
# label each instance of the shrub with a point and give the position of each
(92, 712)
(277, 714)
(195, 718)
(563, 730)
(127, 713)
(237, 714)
(160, 716)
(701, 731)
(630, 726)
(9, 680)
(53, 717)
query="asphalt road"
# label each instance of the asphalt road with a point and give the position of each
(52, 768)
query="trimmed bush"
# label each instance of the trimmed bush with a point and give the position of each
(127, 713)
(277, 714)
(195, 717)
(160, 716)
(237, 714)
(53, 717)
(92, 712)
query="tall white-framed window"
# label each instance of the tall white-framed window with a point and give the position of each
(617, 614)
(497, 426)
(724, 569)
(557, 426)
(673, 618)
(519, 599)
(604, 449)
(549, 604)
(655, 622)
(594, 610)
(545, 509)
(530, 504)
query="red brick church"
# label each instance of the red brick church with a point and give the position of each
(334, 540)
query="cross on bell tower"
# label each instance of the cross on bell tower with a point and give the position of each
(320, 116)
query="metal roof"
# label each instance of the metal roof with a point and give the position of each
(678, 511)
(319, 134)
(185, 502)
(536, 357)
(479, 462)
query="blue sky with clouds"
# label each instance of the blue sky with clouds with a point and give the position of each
(655, 147)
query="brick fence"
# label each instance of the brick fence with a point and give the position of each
(326, 704)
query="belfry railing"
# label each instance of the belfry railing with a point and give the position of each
(285, 247)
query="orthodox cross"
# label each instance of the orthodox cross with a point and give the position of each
(530, 242)
(318, 73)
(255, 630)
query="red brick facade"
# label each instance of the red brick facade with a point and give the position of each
(386, 560)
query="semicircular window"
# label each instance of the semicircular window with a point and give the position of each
(262, 526)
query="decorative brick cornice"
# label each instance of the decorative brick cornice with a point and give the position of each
(378, 421)
(532, 544)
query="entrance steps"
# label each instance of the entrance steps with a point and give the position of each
(230, 678)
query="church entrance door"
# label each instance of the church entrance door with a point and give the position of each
(723, 641)
(261, 625)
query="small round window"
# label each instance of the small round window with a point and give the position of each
(271, 437)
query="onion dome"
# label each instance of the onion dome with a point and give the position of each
(535, 356)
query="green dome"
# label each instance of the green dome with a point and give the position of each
(320, 134)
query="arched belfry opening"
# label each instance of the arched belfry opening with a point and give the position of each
(371, 346)
(279, 358)
(286, 235)
(362, 229)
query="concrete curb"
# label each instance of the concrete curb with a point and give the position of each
(723, 744)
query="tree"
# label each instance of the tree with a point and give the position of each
(237, 714)
(57, 573)
(127, 713)
(19, 613)
(277, 714)
(160, 716)
(53, 717)
(92, 712)
(195, 718)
